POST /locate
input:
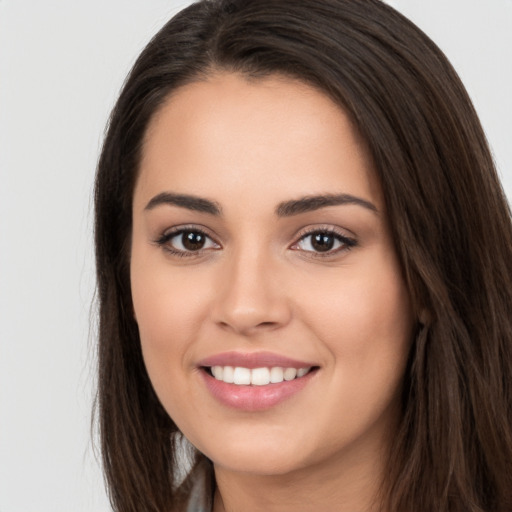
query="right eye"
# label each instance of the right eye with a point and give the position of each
(187, 242)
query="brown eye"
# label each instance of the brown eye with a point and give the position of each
(193, 240)
(322, 242)
(186, 242)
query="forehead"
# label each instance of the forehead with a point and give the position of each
(232, 137)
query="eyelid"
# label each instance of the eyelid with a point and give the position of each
(187, 227)
(348, 241)
(170, 233)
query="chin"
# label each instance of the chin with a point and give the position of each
(259, 465)
(263, 456)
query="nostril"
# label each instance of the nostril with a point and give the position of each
(248, 328)
(267, 324)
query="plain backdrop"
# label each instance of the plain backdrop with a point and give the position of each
(62, 63)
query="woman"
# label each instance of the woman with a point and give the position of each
(303, 267)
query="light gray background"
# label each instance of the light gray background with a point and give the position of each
(62, 63)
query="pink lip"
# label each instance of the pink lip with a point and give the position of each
(253, 360)
(254, 398)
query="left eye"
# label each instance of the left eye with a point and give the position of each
(323, 242)
(188, 241)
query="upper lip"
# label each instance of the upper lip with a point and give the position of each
(253, 360)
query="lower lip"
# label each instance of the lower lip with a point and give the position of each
(254, 398)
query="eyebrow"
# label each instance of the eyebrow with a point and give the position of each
(189, 202)
(284, 209)
(312, 203)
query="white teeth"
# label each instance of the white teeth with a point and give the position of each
(276, 375)
(290, 373)
(242, 376)
(228, 374)
(257, 376)
(260, 376)
(302, 371)
(218, 372)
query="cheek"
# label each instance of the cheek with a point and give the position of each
(366, 323)
(367, 330)
(169, 310)
(166, 322)
(168, 304)
(361, 311)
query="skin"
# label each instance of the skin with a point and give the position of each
(259, 284)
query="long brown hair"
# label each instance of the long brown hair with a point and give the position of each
(450, 221)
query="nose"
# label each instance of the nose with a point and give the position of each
(252, 297)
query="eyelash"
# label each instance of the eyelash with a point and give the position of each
(166, 237)
(346, 242)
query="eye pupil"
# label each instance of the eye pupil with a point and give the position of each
(192, 240)
(322, 242)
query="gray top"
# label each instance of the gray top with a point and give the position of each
(201, 495)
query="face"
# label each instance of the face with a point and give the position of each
(273, 316)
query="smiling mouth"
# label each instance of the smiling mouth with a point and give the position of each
(264, 376)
